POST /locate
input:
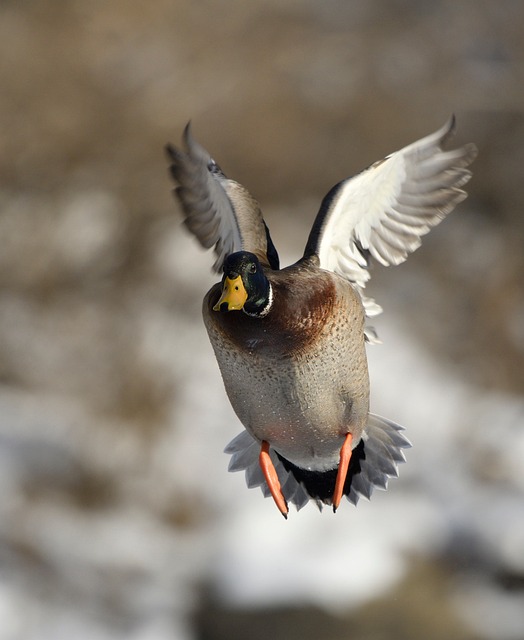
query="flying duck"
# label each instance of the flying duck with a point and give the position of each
(290, 342)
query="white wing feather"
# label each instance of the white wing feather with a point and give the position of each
(385, 210)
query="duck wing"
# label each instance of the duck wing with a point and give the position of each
(384, 211)
(218, 211)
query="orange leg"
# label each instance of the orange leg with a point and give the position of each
(270, 474)
(345, 457)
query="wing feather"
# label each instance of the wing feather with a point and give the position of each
(384, 211)
(218, 211)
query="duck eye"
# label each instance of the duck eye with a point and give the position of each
(252, 268)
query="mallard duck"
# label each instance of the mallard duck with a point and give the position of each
(290, 343)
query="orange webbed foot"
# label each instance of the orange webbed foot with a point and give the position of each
(270, 474)
(345, 457)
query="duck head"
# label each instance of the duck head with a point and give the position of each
(244, 286)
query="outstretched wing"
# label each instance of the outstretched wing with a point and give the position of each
(384, 211)
(219, 211)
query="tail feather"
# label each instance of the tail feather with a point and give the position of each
(376, 459)
(241, 449)
(383, 445)
(255, 477)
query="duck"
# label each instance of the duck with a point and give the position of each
(291, 342)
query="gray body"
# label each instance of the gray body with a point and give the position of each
(300, 395)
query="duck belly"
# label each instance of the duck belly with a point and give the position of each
(303, 403)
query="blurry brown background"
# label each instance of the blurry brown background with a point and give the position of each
(117, 516)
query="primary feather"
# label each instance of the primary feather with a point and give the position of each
(220, 212)
(385, 210)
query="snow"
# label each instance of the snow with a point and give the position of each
(122, 570)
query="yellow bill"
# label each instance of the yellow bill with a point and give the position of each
(234, 295)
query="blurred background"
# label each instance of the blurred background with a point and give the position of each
(118, 519)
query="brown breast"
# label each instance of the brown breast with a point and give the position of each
(302, 302)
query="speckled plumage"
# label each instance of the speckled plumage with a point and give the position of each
(298, 377)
